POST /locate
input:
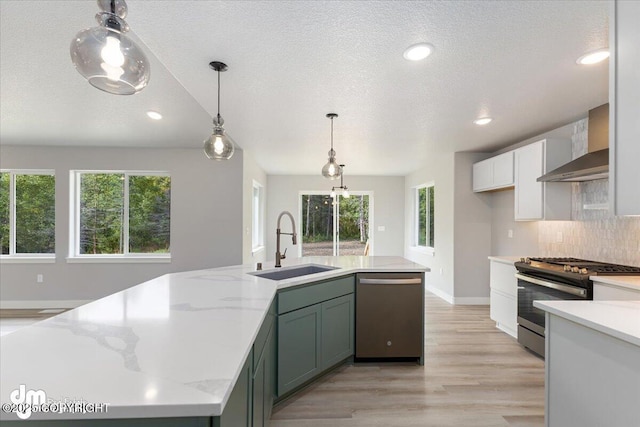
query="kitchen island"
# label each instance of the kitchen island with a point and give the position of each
(592, 374)
(173, 347)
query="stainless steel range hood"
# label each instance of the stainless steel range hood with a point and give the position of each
(594, 164)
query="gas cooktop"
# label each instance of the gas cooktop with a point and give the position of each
(583, 266)
(572, 271)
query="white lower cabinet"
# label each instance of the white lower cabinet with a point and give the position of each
(607, 292)
(504, 297)
(504, 311)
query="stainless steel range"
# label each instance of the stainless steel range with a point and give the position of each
(555, 279)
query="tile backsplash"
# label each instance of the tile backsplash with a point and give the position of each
(594, 233)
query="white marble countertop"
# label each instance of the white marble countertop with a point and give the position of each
(620, 319)
(629, 282)
(505, 259)
(172, 346)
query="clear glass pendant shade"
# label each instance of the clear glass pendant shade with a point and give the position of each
(219, 146)
(110, 61)
(332, 169)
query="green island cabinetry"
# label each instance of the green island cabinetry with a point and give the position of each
(315, 330)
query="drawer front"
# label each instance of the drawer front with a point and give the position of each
(502, 277)
(306, 295)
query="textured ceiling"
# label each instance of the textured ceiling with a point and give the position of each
(291, 62)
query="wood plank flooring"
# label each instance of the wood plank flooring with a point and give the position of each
(474, 375)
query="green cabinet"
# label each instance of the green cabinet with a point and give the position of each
(315, 330)
(237, 411)
(337, 320)
(264, 387)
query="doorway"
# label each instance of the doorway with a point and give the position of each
(335, 225)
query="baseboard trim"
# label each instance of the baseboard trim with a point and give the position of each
(471, 300)
(507, 330)
(42, 304)
(440, 293)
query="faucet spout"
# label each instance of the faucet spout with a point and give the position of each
(293, 235)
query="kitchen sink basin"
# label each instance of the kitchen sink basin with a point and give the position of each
(288, 273)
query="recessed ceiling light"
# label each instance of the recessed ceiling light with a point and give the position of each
(418, 51)
(482, 121)
(154, 115)
(593, 57)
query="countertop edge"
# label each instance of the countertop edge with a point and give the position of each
(509, 260)
(596, 308)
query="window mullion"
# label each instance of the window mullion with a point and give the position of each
(125, 225)
(12, 213)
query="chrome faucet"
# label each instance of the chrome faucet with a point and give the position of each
(280, 256)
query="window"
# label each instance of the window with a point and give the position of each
(28, 217)
(424, 221)
(257, 204)
(120, 214)
(335, 225)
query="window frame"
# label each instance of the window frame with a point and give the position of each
(13, 256)
(257, 217)
(416, 218)
(74, 222)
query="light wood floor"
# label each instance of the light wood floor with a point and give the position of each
(474, 375)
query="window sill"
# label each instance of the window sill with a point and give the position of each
(118, 259)
(257, 249)
(27, 259)
(424, 250)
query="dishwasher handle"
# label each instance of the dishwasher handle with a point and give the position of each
(413, 281)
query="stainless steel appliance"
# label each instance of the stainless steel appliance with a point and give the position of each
(389, 315)
(555, 279)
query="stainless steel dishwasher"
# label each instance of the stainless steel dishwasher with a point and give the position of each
(390, 315)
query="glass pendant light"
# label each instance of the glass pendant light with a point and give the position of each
(332, 170)
(219, 146)
(345, 190)
(106, 57)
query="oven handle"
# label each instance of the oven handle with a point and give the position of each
(553, 285)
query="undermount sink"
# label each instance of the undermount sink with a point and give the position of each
(288, 273)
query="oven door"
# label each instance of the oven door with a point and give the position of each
(531, 289)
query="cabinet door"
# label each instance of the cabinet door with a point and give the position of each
(237, 411)
(337, 330)
(482, 175)
(529, 194)
(299, 343)
(503, 278)
(504, 311)
(503, 170)
(624, 93)
(263, 383)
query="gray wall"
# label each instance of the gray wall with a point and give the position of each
(440, 171)
(206, 220)
(472, 234)
(525, 233)
(388, 195)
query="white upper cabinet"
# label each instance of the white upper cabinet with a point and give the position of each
(536, 200)
(624, 108)
(493, 173)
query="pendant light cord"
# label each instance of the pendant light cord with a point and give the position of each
(331, 133)
(218, 93)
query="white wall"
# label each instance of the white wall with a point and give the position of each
(388, 194)
(440, 171)
(206, 219)
(251, 172)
